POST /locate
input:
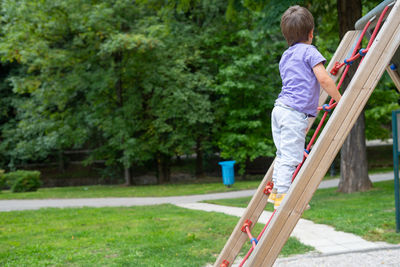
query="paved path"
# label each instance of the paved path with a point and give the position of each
(323, 238)
(389, 257)
(29, 204)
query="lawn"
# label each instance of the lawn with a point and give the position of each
(370, 215)
(178, 189)
(163, 235)
(167, 235)
(131, 191)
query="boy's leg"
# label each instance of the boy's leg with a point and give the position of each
(276, 136)
(276, 132)
(292, 139)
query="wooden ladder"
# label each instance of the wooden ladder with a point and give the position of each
(324, 151)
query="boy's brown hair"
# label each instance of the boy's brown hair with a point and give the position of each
(296, 23)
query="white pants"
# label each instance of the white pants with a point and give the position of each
(289, 132)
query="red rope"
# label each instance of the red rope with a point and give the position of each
(258, 238)
(358, 45)
(378, 25)
(246, 229)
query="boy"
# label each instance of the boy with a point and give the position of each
(303, 73)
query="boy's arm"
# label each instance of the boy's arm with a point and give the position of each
(326, 81)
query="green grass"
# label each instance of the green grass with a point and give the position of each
(131, 191)
(180, 189)
(370, 215)
(162, 235)
(242, 202)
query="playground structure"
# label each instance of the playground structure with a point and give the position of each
(382, 27)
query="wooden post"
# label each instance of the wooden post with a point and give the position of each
(259, 200)
(394, 76)
(329, 142)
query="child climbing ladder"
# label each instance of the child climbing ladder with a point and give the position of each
(380, 52)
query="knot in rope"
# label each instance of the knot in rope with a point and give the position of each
(363, 52)
(348, 62)
(336, 68)
(254, 239)
(326, 107)
(268, 188)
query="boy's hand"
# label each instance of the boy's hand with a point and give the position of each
(326, 81)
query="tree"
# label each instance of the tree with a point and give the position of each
(353, 165)
(139, 84)
(115, 78)
(248, 92)
(247, 80)
(7, 101)
(72, 75)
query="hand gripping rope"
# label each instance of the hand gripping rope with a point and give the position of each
(327, 108)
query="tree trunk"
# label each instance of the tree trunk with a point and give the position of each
(120, 103)
(246, 164)
(163, 168)
(118, 83)
(354, 166)
(353, 160)
(61, 161)
(127, 176)
(353, 156)
(349, 11)
(199, 158)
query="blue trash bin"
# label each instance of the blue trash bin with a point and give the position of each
(228, 172)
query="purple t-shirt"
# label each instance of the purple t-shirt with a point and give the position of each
(300, 87)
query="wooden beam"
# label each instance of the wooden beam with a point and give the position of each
(394, 76)
(259, 200)
(329, 142)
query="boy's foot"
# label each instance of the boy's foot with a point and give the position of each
(272, 196)
(278, 200)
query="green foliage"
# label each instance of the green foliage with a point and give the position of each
(248, 90)
(378, 113)
(112, 77)
(136, 83)
(73, 95)
(23, 181)
(326, 30)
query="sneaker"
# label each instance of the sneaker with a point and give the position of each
(278, 200)
(272, 196)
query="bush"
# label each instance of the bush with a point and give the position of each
(2, 179)
(23, 181)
